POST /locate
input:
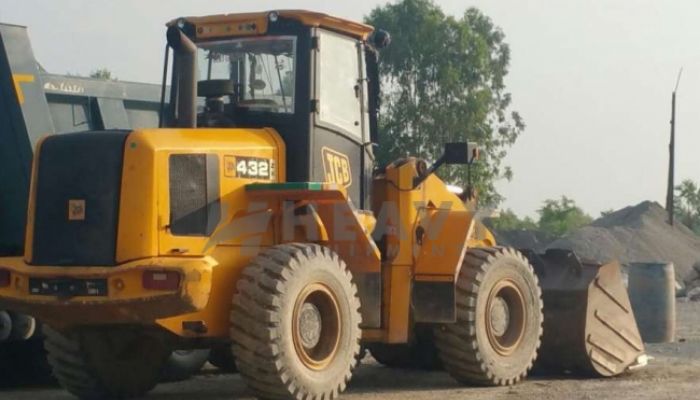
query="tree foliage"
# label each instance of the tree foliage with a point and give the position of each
(509, 221)
(443, 81)
(559, 217)
(104, 74)
(555, 217)
(687, 205)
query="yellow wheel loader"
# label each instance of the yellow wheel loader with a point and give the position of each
(256, 221)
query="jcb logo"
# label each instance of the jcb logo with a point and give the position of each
(336, 166)
(76, 210)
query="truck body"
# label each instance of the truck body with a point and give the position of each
(35, 103)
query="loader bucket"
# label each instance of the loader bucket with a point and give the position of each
(589, 326)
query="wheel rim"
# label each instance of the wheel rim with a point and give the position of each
(316, 326)
(505, 317)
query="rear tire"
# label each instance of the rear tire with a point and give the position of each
(296, 323)
(499, 319)
(24, 363)
(109, 363)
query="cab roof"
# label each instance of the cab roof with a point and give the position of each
(248, 24)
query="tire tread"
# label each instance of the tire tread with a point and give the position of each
(255, 321)
(457, 343)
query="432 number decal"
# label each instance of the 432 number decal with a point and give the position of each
(249, 167)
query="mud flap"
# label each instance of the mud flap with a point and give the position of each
(589, 325)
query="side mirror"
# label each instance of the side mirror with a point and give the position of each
(461, 153)
(380, 39)
(455, 153)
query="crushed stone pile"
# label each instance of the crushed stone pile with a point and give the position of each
(638, 233)
(692, 283)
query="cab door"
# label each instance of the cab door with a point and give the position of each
(340, 121)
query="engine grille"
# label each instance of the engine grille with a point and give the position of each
(77, 199)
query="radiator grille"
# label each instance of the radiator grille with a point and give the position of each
(77, 199)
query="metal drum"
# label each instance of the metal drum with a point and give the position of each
(652, 288)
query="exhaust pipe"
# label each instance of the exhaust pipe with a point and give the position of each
(23, 326)
(183, 89)
(16, 327)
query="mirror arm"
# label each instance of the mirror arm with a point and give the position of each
(469, 193)
(420, 179)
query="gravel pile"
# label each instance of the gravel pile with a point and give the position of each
(636, 234)
(692, 283)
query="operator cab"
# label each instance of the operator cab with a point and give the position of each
(311, 77)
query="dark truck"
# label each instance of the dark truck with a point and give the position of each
(33, 104)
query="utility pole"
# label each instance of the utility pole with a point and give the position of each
(672, 154)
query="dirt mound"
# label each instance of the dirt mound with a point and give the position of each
(635, 234)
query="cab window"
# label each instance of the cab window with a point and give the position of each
(262, 69)
(338, 83)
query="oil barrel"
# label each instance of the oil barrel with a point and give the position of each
(652, 288)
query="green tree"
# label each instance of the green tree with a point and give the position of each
(104, 74)
(687, 205)
(443, 80)
(508, 221)
(559, 217)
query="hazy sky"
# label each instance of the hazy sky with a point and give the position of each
(592, 79)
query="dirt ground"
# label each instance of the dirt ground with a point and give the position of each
(673, 373)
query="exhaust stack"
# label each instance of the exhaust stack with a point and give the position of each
(183, 92)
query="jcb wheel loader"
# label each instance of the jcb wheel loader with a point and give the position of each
(257, 219)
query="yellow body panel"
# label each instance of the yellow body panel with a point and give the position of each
(144, 237)
(232, 260)
(340, 227)
(443, 244)
(449, 226)
(29, 234)
(145, 215)
(247, 24)
(251, 220)
(127, 301)
(232, 250)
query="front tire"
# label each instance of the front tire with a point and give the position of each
(495, 339)
(108, 363)
(296, 323)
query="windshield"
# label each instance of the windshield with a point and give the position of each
(262, 70)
